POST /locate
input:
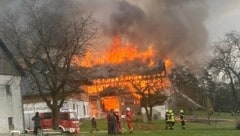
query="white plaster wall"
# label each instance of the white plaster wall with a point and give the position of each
(10, 103)
(79, 108)
(158, 112)
(36, 107)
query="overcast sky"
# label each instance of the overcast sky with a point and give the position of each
(224, 16)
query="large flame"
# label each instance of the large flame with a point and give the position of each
(117, 53)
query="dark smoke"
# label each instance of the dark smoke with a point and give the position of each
(124, 18)
(175, 27)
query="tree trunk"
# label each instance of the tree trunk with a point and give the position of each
(150, 108)
(150, 114)
(55, 116)
(147, 113)
(235, 95)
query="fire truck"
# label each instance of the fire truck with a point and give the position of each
(68, 121)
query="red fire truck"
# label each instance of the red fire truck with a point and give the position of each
(68, 122)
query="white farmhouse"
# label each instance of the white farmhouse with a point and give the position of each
(11, 113)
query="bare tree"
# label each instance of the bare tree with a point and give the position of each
(46, 35)
(226, 62)
(151, 95)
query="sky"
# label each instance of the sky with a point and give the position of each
(224, 16)
(181, 29)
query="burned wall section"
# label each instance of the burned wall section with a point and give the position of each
(112, 87)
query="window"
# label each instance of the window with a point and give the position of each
(77, 109)
(74, 106)
(64, 116)
(84, 110)
(73, 116)
(47, 115)
(10, 123)
(8, 91)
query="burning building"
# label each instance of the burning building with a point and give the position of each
(114, 74)
(148, 37)
(118, 92)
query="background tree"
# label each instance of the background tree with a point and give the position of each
(226, 63)
(45, 36)
(186, 85)
(224, 100)
(208, 88)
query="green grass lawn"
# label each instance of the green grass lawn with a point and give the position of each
(225, 115)
(157, 128)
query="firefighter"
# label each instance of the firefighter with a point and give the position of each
(182, 119)
(112, 123)
(94, 124)
(167, 114)
(171, 120)
(36, 120)
(129, 119)
(119, 124)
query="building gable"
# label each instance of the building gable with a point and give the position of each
(10, 92)
(8, 65)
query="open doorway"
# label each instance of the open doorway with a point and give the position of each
(110, 102)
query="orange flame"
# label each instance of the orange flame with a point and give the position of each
(117, 53)
(168, 63)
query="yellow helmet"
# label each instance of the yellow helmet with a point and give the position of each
(181, 111)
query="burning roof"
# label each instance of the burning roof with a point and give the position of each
(122, 59)
(124, 69)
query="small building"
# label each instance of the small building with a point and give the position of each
(158, 112)
(11, 113)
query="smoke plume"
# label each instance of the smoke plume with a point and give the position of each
(174, 27)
